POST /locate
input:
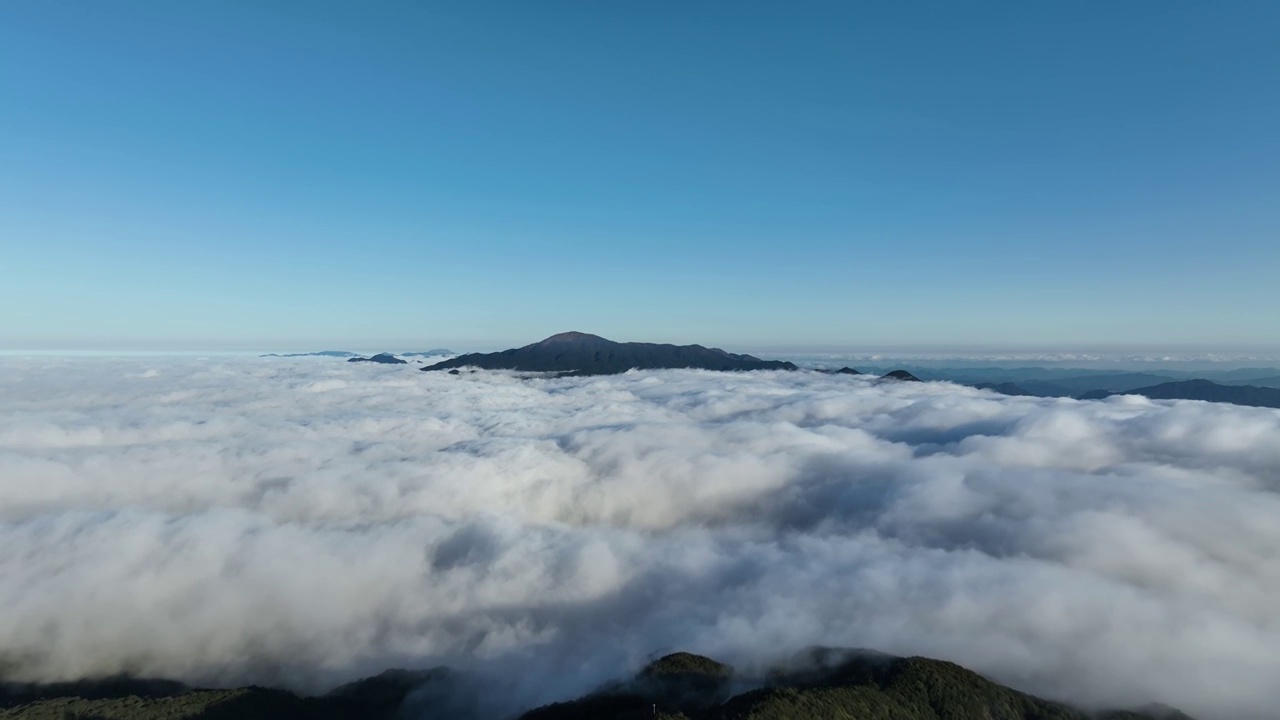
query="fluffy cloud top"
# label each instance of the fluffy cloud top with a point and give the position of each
(306, 521)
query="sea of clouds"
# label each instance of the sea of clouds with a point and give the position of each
(309, 521)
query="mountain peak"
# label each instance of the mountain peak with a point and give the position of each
(572, 337)
(579, 353)
(384, 358)
(900, 375)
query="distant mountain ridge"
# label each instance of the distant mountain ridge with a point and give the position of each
(1005, 388)
(842, 371)
(384, 358)
(584, 354)
(1201, 390)
(901, 375)
(1076, 380)
(580, 354)
(1270, 382)
(1092, 384)
(322, 353)
(434, 352)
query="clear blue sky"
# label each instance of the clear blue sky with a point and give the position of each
(285, 175)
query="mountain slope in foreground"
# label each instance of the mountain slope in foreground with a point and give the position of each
(824, 684)
(821, 684)
(577, 354)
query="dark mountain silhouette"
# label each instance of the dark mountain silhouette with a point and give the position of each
(842, 371)
(1066, 386)
(385, 358)
(968, 375)
(576, 354)
(900, 375)
(1073, 381)
(322, 353)
(1201, 390)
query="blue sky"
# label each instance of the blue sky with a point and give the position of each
(289, 175)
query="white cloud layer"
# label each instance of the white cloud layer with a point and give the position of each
(310, 521)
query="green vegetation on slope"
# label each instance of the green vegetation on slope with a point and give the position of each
(373, 698)
(821, 684)
(829, 684)
(246, 703)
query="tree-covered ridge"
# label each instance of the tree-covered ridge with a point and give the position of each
(821, 684)
(825, 684)
(374, 698)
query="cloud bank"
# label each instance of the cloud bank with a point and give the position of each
(307, 522)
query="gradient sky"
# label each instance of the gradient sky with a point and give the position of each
(290, 175)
